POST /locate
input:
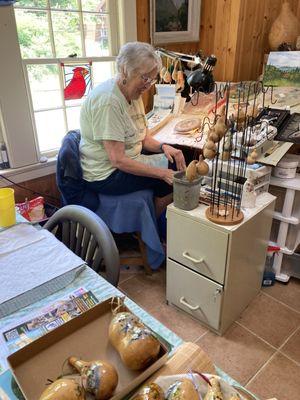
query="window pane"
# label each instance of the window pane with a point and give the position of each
(103, 71)
(44, 86)
(50, 126)
(73, 115)
(66, 33)
(33, 33)
(64, 4)
(31, 3)
(94, 5)
(96, 34)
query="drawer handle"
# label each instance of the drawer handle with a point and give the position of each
(194, 260)
(185, 303)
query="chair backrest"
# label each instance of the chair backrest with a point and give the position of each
(69, 174)
(84, 232)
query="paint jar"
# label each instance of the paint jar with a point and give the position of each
(7, 207)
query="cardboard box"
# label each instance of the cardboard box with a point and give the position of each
(86, 336)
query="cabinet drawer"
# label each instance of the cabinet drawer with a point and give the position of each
(198, 246)
(195, 294)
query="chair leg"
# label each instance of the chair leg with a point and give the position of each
(142, 247)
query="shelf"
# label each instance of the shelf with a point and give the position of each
(289, 220)
(284, 250)
(286, 183)
(287, 251)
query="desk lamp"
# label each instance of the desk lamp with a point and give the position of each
(202, 80)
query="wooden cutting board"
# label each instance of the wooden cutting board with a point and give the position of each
(188, 356)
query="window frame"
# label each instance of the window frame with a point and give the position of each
(19, 133)
(113, 41)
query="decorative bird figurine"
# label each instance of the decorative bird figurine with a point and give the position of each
(77, 85)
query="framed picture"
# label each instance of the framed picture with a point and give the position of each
(175, 20)
(283, 69)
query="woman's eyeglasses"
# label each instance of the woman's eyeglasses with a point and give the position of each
(148, 81)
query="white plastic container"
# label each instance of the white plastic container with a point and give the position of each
(287, 167)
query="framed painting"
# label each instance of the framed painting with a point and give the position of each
(175, 21)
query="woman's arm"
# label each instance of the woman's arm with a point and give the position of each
(119, 160)
(151, 144)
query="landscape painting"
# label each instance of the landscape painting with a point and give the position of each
(283, 69)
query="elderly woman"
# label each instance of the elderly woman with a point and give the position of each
(114, 132)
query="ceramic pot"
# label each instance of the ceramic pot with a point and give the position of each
(285, 28)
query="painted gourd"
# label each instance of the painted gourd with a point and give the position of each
(63, 389)
(285, 28)
(182, 390)
(225, 155)
(150, 392)
(210, 145)
(162, 72)
(99, 378)
(213, 136)
(180, 80)
(202, 167)
(214, 391)
(252, 157)
(167, 77)
(191, 171)
(135, 343)
(209, 153)
(220, 128)
(174, 73)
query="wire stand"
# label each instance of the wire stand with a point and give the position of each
(230, 163)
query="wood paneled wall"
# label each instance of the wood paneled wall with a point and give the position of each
(236, 31)
(45, 186)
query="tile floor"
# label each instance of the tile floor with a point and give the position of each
(261, 350)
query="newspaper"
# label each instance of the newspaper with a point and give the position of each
(50, 318)
(31, 327)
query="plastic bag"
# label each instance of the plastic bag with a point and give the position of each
(33, 210)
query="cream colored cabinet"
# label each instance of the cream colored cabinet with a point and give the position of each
(213, 271)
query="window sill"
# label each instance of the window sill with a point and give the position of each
(19, 175)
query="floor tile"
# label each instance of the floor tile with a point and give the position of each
(270, 320)
(147, 291)
(177, 321)
(280, 378)
(292, 347)
(127, 272)
(239, 353)
(288, 293)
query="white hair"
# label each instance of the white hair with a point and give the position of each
(134, 56)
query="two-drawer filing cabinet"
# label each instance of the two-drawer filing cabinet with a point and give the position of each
(214, 271)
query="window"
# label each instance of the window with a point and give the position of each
(36, 38)
(51, 34)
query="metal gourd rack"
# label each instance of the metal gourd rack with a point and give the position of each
(225, 205)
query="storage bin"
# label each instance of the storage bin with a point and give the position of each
(291, 265)
(287, 167)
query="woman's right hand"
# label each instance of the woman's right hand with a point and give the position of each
(167, 175)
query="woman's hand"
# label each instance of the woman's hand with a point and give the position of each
(167, 175)
(174, 154)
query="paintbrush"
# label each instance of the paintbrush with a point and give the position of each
(272, 149)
